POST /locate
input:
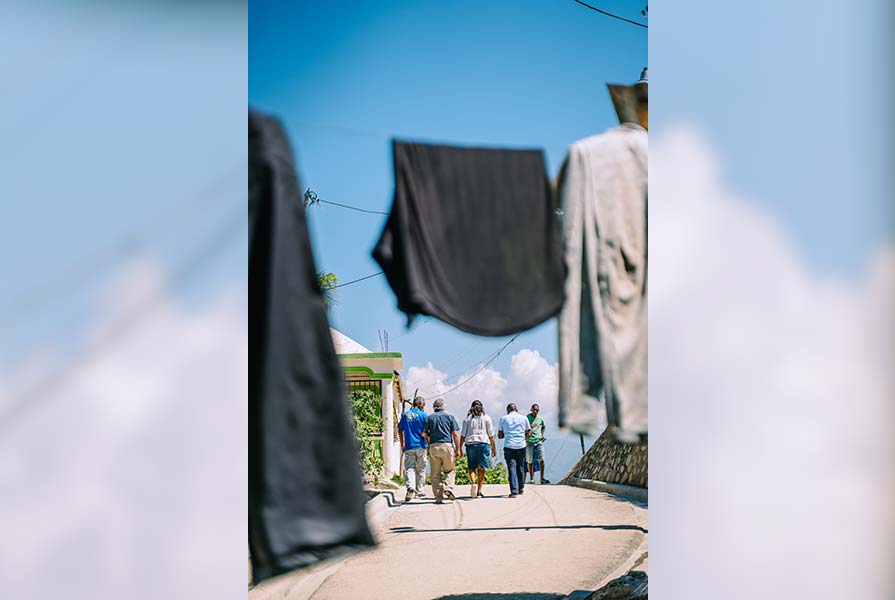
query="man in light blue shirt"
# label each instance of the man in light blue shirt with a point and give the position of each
(515, 429)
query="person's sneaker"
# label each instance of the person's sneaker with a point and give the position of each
(545, 481)
(480, 495)
(421, 495)
(512, 495)
(449, 495)
(409, 496)
(439, 502)
(472, 491)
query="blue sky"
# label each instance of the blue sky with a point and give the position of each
(793, 99)
(346, 78)
(105, 135)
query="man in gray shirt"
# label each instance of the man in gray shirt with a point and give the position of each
(442, 431)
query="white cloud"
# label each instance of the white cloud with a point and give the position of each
(531, 379)
(771, 420)
(130, 480)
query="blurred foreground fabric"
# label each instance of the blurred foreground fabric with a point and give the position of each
(603, 324)
(472, 238)
(306, 501)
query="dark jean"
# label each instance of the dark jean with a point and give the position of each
(515, 458)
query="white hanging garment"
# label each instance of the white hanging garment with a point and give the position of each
(603, 324)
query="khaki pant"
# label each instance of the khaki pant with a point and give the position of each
(441, 458)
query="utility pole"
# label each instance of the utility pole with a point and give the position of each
(581, 437)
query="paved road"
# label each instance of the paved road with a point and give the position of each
(546, 543)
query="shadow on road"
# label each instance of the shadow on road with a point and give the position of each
(522, 528)
(513, 596)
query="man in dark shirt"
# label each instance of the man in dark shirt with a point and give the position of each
(442, 431)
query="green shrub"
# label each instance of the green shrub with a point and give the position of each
(496, 473)
(367, 422)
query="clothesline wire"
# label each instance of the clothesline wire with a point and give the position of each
(311, 197)
(354, 281)
(374, 212)
(609, 14)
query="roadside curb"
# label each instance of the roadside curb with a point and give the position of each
(616, 489)
(378, 509)
(301, 584)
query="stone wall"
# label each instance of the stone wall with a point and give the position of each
(614, 463)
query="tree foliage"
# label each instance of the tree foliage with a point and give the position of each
(496, 473)
(367, 423)
(327, 283)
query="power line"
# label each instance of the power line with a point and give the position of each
(609, 14)
(311, 197)
(354, 281)
(412, 329)
(429, 380)
(488, 357)
(483, 367)
(463, 353)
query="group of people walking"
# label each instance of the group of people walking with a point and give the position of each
(438, 437)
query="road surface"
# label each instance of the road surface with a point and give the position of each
(546, 543)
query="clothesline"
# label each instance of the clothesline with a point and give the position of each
(609, 14)
(311, 197)
(355, 281)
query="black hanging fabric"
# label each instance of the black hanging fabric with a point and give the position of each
(306, 501)
(472, 238)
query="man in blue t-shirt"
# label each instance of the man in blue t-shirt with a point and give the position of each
(410, 429)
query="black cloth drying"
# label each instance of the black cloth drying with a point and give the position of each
(306, 500)
(472, 238)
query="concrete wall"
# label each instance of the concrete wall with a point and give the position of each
(391, 445)
(614, 463)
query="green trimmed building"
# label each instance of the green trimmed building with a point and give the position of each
(365, 369)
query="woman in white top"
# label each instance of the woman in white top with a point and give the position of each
(476, 434)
